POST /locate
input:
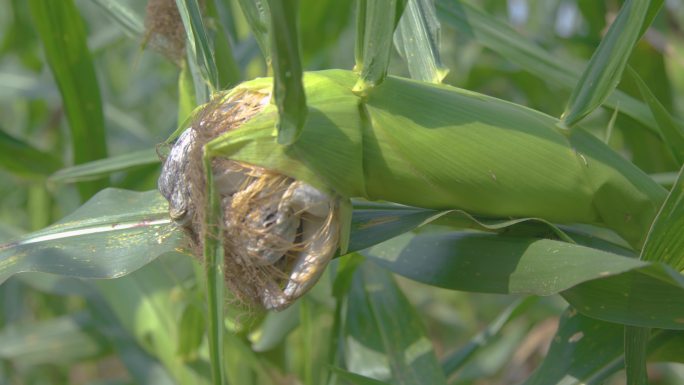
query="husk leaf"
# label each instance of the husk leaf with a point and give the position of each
(437, 146)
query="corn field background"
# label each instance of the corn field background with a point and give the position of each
(95, 289)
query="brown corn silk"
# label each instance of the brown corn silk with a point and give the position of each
(248, 280)
(437, 146)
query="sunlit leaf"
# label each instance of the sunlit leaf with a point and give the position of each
(417, 38)
(258, 16)
(375, 29)
(113, 234)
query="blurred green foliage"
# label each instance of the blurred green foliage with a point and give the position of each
(148, 327)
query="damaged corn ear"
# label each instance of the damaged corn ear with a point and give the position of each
(278, 233)
(285, 209)
(437, 146)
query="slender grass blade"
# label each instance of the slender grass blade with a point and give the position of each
(509, 43)
(213, 256)
(604, 70)
(417, 39)
(672, 132)
(104, 167)
(636, 343)
(380, 19)
(258, 17)
(665, 242)
(288, 89)
(64, 40)
(198, 41)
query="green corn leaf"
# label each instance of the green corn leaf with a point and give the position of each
(598, 283)
(24, 160)
(417, 40)
(258, 17)
(104, 167)
(509, 43)
(213, 257)
(653, 10)
(380, 344)
(665, 242)
(228, 69)
(604, 70)
(636, 343)
(199, 46)
(671, 131)
(64, 40)
(145, 222)
(129, 21)
(653, 290)
(114, 233)
(288, 90)
(374, 40)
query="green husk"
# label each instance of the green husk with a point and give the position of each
(441, 147)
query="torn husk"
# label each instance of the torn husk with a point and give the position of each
(278, 233)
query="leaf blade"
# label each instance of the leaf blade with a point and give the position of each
(103, 167)
(288, 89)
(417, 39)
(126, 230)
(604, 70)
(64, 40)
(381, 344)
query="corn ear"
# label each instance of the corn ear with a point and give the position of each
(437, 146)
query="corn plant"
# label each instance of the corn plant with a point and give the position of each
(325, 192)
